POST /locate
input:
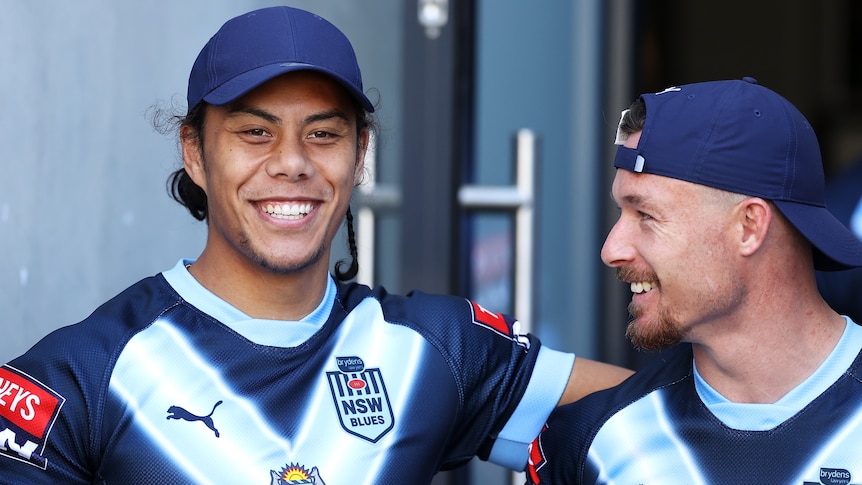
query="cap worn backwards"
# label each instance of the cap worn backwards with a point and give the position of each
(742, 137)
(255, 47)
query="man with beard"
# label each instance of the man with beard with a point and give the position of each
(722, 224)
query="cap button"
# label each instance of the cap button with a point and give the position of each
(749, 79)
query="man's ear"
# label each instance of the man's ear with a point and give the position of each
(359, 168)
(755, 217)
(193, 158)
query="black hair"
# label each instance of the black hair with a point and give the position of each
(633, 121)
(185, 191)
(180, 185)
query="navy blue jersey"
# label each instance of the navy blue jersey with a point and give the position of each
(666, 426)
(166, 383)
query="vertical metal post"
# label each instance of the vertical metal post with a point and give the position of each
(365, 221)
(520, 199)
(524, 230)
(372, 198)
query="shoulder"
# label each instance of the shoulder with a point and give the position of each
(433, 314)
(70, 368)
(128, 312)
(414, 302)
(668, 368)
(570, 430)
(460, 331)
(80, 353)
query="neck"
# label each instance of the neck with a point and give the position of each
(259, 292)
(764, 358)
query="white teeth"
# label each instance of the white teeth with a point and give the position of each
(288, 211)
(641, 286)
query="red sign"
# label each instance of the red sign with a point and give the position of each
(27, 403)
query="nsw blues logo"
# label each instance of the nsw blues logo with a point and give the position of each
(360, 398)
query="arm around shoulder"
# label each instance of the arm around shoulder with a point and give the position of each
(589, 376)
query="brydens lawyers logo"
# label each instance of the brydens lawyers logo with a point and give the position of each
(360, 398)
(28, 410)
(832, 476)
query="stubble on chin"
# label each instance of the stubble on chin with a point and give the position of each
(660, 332)
(270, 263)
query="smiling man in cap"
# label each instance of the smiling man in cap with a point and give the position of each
(252, 363)
(722, 225)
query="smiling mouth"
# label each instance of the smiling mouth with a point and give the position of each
(642, 286)
(639, 281)
(288, 210)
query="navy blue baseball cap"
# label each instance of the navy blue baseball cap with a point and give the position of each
(255, 47)
(741, 137)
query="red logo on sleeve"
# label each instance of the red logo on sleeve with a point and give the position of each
(499, 324)
(494, 321)
(27, 403)
(536, 460)
(28, 409)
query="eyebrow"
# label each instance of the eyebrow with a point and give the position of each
(266, 115)
(638, 200)
(634, 199)
(326, 115)
(248, 110)
(631, 198)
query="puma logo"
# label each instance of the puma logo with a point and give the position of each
(176, 412)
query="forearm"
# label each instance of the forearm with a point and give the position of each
(589, 376)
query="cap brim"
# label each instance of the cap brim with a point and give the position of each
(835, 247)
(234, 88)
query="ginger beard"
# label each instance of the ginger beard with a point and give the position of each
(659, 332)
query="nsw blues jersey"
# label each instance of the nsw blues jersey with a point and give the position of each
(666, 426)
(166, 383)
